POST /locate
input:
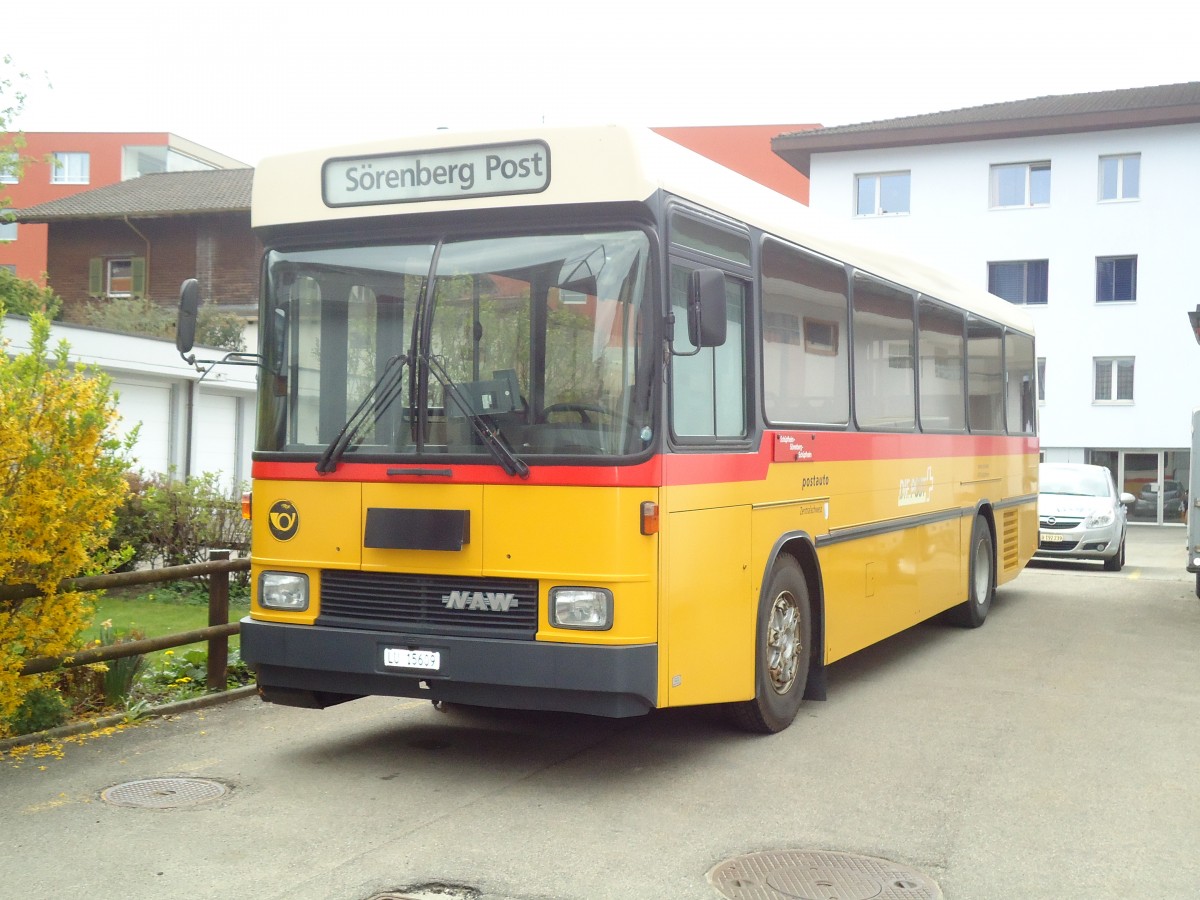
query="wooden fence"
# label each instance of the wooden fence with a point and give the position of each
(217, 633)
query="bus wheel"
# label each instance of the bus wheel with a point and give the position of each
(782, 652)
(981, 579)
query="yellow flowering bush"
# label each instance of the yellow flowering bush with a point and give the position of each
(61, 468)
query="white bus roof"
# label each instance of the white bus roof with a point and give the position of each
(602, 164)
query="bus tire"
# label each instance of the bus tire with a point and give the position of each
(782, 652)
(981, 579)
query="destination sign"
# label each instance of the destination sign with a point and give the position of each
(437, 174)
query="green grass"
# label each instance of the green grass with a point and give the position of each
(159, 611)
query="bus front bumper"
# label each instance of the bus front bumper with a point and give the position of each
(312, 665)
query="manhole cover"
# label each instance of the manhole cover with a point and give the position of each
(164, 793)
(429, 892)
(819, 875)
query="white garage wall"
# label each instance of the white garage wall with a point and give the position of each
(157, 389)
(146, 407)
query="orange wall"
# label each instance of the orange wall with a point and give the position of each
(28, 251)
(746, 149)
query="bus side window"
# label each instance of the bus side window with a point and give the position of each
(884, 388)
(1021, 373)
(942, 347)
(806, 371)
(985, 375)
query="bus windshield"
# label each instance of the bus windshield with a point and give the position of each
(544, 341)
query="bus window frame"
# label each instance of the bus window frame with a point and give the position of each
(745, 274)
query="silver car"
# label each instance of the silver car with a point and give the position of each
(1081, 515)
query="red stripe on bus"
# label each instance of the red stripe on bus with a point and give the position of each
(807, 448)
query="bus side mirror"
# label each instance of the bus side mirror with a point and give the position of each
(189, 303)
(706, 308)
(1194, 318)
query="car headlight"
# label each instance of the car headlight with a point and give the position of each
(283, 590)
(1100, 519)
(589, 609)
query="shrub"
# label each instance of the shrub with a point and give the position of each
(39, 709)
(219, 328)
(24, 298)
(119, 674)
(132, 526)
(131, 315)
(188, 518)
(215, 327)
(61, 482)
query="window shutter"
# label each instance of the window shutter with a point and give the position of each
(138, 271)
(95, 277)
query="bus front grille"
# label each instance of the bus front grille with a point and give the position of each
(430, 604)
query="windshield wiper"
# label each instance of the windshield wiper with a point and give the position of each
(491, 438)
(381, 395)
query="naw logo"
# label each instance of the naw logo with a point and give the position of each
(483, 601)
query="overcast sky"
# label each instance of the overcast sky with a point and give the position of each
(256, 77)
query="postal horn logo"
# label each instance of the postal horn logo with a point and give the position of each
(283, 520)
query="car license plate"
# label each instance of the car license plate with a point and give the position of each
(1048, 538)
(402, 658)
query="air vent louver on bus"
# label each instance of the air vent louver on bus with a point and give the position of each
(427, 604)
(1010, 556)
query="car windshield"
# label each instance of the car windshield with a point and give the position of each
(1080, 482)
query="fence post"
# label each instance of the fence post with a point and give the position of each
(218, 614)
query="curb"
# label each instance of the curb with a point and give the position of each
(167, 709)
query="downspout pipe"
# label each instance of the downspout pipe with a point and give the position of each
(146, 241)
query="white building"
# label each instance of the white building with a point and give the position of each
(1078, 207)
(188, 424)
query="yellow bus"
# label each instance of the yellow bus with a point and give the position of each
(575, 419)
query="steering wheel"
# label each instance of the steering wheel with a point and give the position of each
(581, 408)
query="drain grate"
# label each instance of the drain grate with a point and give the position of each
(164, 793)
(819, 875)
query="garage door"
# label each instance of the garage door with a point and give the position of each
(215, 447)
(149, 405)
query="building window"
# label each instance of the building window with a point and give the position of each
(1114, 379)
(10, 173)
(118, 276)
(10, 268)
(1020, 281)
(119, 280)
(1116, 279)
(882, 193)
(70, 168)
(8, 231)
(1020, 184)
(1120, 176)
(1041, 372)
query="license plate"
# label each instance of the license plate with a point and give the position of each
(1048, 538)
(400, 658)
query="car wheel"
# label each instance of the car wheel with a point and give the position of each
(1116, 562)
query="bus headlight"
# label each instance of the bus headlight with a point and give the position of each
(283, 590)
(589, 609)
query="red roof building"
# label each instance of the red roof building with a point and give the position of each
(55, 165)
(746, 149)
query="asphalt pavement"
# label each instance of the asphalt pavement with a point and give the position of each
(1052, 753)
